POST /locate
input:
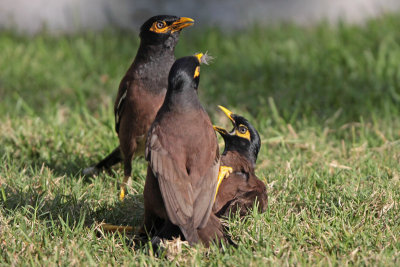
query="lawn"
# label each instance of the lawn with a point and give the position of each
(325, 99)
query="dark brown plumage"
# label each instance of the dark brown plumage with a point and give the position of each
(240, 189)
(142, 90)
(183, 156)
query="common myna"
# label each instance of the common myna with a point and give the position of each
(238, 188)
(182, 151)
(142, 90)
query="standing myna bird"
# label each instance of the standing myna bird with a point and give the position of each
(240, 188)
(142, 90)
(182, 151)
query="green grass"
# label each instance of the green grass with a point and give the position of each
(326, 101)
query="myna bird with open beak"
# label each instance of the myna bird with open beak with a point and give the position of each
(239, 188)
(183, 155)
(142, 91)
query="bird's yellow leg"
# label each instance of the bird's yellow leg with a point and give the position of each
(122, 192)
(224, 172)
(117, 228)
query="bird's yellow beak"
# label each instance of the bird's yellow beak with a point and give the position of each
(181, 23)
(199, 56)
(221, 130)
(228, 113)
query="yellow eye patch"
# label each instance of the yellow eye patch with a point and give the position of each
(243, 133)
(159, 27)
(196, 72)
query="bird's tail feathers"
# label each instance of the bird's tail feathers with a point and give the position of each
(190, 234)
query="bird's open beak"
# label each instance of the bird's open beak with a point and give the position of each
(181, 23)
(229, 114)
(222, 131)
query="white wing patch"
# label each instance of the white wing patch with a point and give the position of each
(117, 117)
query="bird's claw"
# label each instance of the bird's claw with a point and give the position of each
(224, 172)
(122, 194)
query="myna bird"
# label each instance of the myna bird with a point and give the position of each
(183, 155)
(142, 90)
(238, 187)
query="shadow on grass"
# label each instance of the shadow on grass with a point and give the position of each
(28, 156)
(68, 208)
(61, 164)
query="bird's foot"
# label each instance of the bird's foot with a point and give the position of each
(117, 228)
(122, 193)
(224, 172)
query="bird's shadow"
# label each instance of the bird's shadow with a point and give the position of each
(70, 209)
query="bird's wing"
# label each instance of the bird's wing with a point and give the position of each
(176, 190)
(120, 103)
(205, 192)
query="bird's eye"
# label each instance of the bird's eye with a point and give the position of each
(242, 129)
(160, 24)
(243, 132)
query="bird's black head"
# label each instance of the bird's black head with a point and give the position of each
(185, 72)
(163, 28)
(243, 138)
